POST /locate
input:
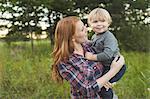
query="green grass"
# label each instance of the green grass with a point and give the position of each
(26, 74)
(136, 81)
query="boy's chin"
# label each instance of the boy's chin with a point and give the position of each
(102, 31)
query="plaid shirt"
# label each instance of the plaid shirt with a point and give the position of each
(82, 75)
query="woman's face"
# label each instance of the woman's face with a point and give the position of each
(80, 32)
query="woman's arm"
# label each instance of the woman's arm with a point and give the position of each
(115, 67)
(80, 81)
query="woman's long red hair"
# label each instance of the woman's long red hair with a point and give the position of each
(63, 46)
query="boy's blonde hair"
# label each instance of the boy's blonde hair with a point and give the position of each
(99, 14)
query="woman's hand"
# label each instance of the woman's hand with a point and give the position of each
(107, 85)
(117, 63)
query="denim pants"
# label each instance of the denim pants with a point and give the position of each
(109, 94)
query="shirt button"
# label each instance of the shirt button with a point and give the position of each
(95, 67)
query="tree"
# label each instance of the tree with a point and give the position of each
(126, 14)
(24, 17)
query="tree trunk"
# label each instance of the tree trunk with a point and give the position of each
(50, 30)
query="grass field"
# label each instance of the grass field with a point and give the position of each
(26, 75)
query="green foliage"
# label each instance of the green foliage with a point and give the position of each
(24, 74)
(15, 37)
(90, 34)
(135, 38)
(27, 14)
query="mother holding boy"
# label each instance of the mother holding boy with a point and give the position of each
(85, 76)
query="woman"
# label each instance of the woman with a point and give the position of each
(85, 76)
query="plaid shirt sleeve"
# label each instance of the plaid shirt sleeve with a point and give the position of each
(79, 80)
(87, 47)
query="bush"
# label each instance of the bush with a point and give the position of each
(15, 37)
(135, 38)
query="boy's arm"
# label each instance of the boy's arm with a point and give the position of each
(90, 56)
(110, 47)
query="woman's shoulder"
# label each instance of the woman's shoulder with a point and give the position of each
(68, 63)
(63, 67)
(63, 63)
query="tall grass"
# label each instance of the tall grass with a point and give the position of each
(136, 82)
(26, 74)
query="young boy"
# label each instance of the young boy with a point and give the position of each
(105, 45)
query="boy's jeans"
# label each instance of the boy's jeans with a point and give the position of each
(109, 94)
(119, 75)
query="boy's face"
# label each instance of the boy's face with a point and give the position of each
(99, 26)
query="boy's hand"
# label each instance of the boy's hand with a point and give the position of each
(90, 56)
